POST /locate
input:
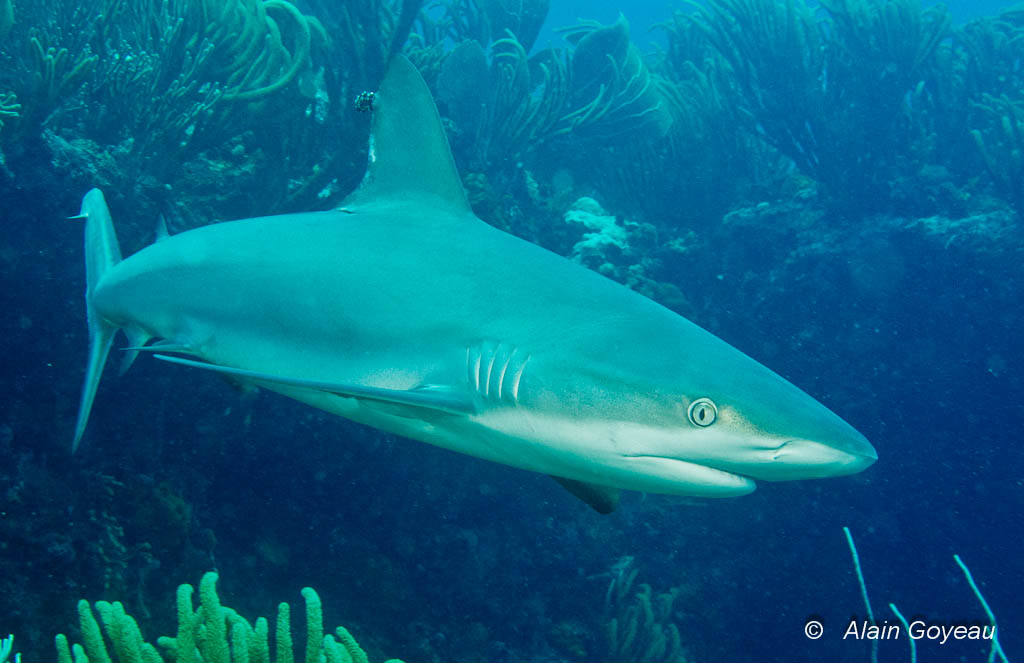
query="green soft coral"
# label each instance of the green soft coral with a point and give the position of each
(209, 633)
(7, 649)
(9, 107)
(250, 56)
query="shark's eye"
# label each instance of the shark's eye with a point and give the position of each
(702, 412)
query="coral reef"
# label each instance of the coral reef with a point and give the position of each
(9, 107)
(1002, 146)
(869, 99)
(606, 233)
(641, 630)
(503, 105)
(156, 85)
(490, 20)
(613, 93)
(7, 652)
(828, 92)
(208, 633)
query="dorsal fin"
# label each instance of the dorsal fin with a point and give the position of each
(409, 157)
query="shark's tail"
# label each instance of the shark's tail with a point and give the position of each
(101, 253)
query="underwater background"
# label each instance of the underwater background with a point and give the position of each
(835, 188)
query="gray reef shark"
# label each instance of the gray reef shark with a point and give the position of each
(403, 311)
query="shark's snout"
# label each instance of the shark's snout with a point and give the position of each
(810, 459)
(829, 447)
(802, 439)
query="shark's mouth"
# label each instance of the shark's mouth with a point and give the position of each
(788, 460)
(691, 477)
(791, 459)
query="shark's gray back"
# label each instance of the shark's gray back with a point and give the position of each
(382, 279)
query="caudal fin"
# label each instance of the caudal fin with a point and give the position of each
(101, 253)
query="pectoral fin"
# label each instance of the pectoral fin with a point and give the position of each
(602, 499)
(160, 346)
(431, 397)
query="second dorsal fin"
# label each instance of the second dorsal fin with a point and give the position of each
(409, 157)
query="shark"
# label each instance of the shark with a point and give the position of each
(403, 311)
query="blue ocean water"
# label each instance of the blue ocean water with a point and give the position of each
(873, 260)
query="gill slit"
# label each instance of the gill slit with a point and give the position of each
(517, 377)
(504, 371)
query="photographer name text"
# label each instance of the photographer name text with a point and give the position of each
(917, 630)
